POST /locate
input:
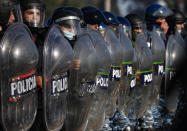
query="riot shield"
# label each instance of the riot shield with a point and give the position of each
(180, 39)
(132, 86)
(127, 72)
(175, 55)
(57, 60)
(81, 84)
(115, 50)
(143, 75)
(97, 111)
(19, 99)
(158, 50)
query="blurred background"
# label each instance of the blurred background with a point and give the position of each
(118, 7)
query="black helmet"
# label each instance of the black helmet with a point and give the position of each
(136, 23)
(68, 19)
(33, 7)
(93, 16)
(135, 20)
(111, 18)
(172, 20)
(6, 6)
(51, 19)
(78, 12)
(179, 17)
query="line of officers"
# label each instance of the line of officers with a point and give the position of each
(87, 69)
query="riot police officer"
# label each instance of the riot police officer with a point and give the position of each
(5, 16)
(178, 45)
(82, 79)
(139, 42)
(23, 53)
(33, 13)
(52, 70)
(95, 20)
(156, 18)
(9, 13)
(179, 21)
(115, 49)
(157, 46)
(155, 15)
(126, 68)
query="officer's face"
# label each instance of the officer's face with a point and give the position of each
(138, 30)
(32, 15)
(180, 26)
(94, 27)
(12, 18)
(163, 24)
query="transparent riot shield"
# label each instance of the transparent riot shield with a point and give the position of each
(57, 61)
(132, 86)
(180, 39)
(158, 51)
(175, 55)
(127, 70)
(97, 111)
(143, 75)
(19, 99)
(115, 49)
(81, 84)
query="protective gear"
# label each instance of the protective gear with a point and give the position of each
(179, 17)
(19, 96)
(82, 84)
(93, 15)
(127, 71)
(175, 54)
(33, 12)
(79, 13)
(126, 26)
(111, 18)
(97, 112)
(126, 91)
(172, 20)
(153, 12)
(6, 7)
(69, 35)
(157, 47)
(82, 81)
(136, 23)
(144, 76)
(58, 56)
(51, 19)
(115, 49)
(68, 19)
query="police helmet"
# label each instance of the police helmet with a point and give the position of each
(33, 12)
(111, 18)
(6, 6)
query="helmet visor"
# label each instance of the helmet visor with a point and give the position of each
(71, 23)
(34, 16)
